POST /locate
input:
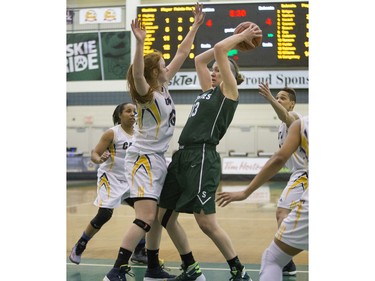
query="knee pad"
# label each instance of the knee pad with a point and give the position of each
(166, 217)
(273, 260)
(103, 215)
(145, 226)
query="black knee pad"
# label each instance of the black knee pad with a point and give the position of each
(166, 217)
(103, 215)
(145, 226)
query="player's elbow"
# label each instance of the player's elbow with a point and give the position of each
(198, 60)
(219, 48)
(279, 160)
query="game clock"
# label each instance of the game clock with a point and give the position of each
(285, 27)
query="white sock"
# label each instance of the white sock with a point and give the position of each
(273, 262)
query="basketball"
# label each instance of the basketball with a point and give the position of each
(243, 46)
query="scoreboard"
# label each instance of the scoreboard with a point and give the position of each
(285, 27)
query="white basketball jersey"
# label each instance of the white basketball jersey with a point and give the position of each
(155, 124)
(295, 162)
(116, 163)
(304, 147)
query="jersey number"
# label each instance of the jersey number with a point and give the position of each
(172, 118)
(194, 109)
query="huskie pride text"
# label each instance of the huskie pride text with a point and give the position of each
(81, 56)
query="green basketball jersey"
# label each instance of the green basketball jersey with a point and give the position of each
(210, 116)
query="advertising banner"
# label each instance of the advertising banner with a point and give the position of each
(100, 15)
(97, 56)
(297, 79)
(245, 165)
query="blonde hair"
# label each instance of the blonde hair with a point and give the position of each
(236, 71)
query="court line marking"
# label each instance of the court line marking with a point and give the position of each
(239, 204)
(171, 267)
(187, 218)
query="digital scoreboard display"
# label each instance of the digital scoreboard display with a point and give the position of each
(285, 27)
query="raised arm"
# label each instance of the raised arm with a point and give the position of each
(272, 166)
(140, 82)
(201, 66)
(185, 46)
(221, 49)
(284, 115)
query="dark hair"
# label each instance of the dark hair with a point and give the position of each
(151, 62)
(236, 71)
(117, 112)
(291, 92)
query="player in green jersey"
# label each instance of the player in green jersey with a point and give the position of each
(194, 173)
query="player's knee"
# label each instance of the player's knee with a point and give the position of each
(206, 225)
(281, 214)
(274, 255)
(145, 226)
(164, 220)
(103, 215)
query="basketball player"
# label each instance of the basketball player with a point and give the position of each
(112, 187)
(283, 104)
(293, 234)
(194, 173)
(145, 163)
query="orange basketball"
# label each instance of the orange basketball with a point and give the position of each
(243, 46)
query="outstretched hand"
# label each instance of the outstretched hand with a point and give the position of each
(138, 29)
(224, 198)
(198, 14)
(264, 90)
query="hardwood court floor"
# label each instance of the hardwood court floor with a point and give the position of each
(251, 227)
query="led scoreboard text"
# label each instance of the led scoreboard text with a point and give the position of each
(285, 27)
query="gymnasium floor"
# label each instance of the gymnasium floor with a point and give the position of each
(251, 225)
(96, 269)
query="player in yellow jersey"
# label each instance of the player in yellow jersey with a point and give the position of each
(112, 187)
(283, 104)
(292, 237)
(145, 162)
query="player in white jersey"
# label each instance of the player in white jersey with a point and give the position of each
(145, 162)
(292, 236)
(112, 187)
(283, 104)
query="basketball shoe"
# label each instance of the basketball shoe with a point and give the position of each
(158, 274)
(118, 274)
(240, 275)
(139, 256)
(192, 272)
(75, 255)
(290, 269)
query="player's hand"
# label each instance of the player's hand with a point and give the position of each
(138, 29)
(224, 198)
(264, 90)
(104, 157)
(198, 14)
(253, 31)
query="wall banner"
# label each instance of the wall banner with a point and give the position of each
(97, 56)
(277, 79)
(100, 15)
(245, 165)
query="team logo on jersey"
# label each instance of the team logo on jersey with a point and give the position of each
(126, 145)
(142, 162)
(104, 182)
